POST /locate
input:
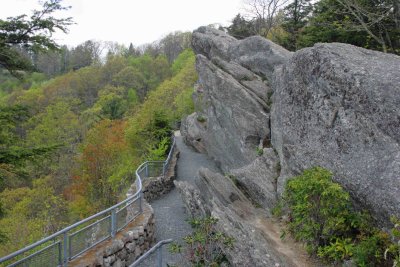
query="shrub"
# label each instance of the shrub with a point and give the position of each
(321, 215)
(393, 250)
(319, 209)
(204, 246)
(201, 119)
(370, 250)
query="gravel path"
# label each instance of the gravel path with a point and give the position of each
(169, 210)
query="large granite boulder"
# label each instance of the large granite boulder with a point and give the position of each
(232, 97)
(338, 106)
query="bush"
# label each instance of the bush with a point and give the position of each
(370, 250)
(393, 250)
(204, 246)
(319, 209)
(321, 215)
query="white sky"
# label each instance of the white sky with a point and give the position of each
(126, 21)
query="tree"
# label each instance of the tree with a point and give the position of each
(33, 34)
(240, 27)
(132, 51)
(368, 24)
(13, 153)
(379, 19)
(85, 54)
(296, 14)
(174, 43)
(263, 13)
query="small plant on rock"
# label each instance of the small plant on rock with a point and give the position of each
(259, 151)
(201, 119)
(204, 247)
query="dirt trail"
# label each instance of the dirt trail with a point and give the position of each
(293, 251)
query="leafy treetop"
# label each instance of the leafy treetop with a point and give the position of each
(31, 34)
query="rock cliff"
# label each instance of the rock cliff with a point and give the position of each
(265, 114)
(338, 106)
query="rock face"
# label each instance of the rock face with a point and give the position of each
(253, 246)
(266, 114)
(333, 105)
(338, 106)
(233, 96)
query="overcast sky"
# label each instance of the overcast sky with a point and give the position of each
(126, 21)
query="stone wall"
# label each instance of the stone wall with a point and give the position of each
(125, 247)
(154, 187)
(130, 245)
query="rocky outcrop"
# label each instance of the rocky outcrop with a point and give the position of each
(333, 105)
(254, 245)
(337, 106)
(258, 180)
(233, 99)
(233, 96)
(265, 114)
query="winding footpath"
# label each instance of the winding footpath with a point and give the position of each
(169, 210)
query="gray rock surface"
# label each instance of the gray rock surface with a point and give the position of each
(249, 248)
(253, 245)
(338, 106)
(259, 179)
(211, 42)
(259, 55)
(232, 97)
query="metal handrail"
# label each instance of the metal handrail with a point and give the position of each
(158, 247)
(66, 257)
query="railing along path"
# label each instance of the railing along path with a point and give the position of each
(65, 245)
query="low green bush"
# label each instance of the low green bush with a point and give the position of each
(321, 215)
(204, 246)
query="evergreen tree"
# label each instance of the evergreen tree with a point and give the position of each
(33, 34)
(240, 27)
(296, 17)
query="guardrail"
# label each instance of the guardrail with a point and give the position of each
(157, 247)
(65, 245)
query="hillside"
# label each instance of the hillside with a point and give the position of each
(70, 145)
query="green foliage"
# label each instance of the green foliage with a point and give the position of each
(57, 125)
(73, 130)
(393, 250)
(319, 208)
(340, 249)
(201, 119)
(370, 249)
(241, 28)
(321, 215)
(163, 107)
(204, 246)
(30, 214)
(180, 62)
(259, 151)
(14, 153)
(159, 151)
(32, 34)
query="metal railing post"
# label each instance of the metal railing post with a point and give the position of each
(140, 202)
(60, 259)
(113, 222)
(159, 256)
(164, 169)
(147, 170)
(65, 263)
